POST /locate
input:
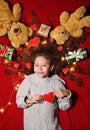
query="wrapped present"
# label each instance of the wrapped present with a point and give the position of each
(76, 56)
(6, 51)
(44, 30)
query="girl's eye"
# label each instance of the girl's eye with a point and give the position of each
(36, 65)
(44, 65)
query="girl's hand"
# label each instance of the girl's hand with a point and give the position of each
(61, 93)
(35, 99)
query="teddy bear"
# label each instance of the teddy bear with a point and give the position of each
(71, 25)
(18, 33)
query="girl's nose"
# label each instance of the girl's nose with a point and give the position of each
(40, 67)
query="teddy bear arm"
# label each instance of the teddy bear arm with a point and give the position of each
(4, 5)
(17, 12)
(79, 13)
(5, 12)
(77, 33)
(84, 22)
(64, 17)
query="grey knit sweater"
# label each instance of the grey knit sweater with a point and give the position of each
(41, 116)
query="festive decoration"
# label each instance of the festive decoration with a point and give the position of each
(34, 27)
(6, 51)
(34, 42)
(71, 25)
(65, 70)
(75, 56)
(49, 97)
(44, 30)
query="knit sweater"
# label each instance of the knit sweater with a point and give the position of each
(43, 115)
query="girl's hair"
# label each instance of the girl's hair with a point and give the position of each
(49, 52)
(46, 55)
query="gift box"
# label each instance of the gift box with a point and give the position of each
(44, 30)
(76, 56)
(6, 51)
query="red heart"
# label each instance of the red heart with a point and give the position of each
(60, 48)
(16, 65)
(34, 27)
(65, 70)
(28, 65)
(49, 97)
(34, 42)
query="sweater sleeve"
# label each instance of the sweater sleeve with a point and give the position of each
(66, 102)
(22, 93)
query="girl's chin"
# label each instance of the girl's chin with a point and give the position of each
(41, 75)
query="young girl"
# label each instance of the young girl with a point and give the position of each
(38, 113)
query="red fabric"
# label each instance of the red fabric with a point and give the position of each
(78, 117)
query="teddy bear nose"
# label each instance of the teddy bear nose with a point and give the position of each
(16, 30)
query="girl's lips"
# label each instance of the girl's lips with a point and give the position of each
(40, 72)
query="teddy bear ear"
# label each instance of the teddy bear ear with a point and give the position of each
(30, 31)
(64, 17)
(17, 12)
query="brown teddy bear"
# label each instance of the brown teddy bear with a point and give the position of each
(17, 32)
(71, 25)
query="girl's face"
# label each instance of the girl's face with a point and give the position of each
(42, 66)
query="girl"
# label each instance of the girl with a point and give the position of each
(38, 113)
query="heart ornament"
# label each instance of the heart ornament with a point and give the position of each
(34, 42)
(49, 97)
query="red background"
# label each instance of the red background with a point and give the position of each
(78, 117)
